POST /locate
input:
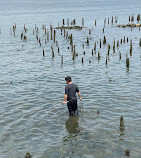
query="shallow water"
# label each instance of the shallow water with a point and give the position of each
(31, 119)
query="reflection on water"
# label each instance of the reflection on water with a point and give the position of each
(72, 125)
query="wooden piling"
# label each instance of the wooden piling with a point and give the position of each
(114, 46)
(98, 56)
(74, 48)
(121, 123)
(95, 46)
(127, 62)
(138, 17)
(117, 43)
(124, 39)
(100, 42)
(87, 41)
(104, 40)
(130, 47)
(43, 52)
(129, 18)
(64, 32)
(89, 31)
(68, 22)
(127, 152)
(106, 61)
(82, 60)
(54, 35)
(132, 18)
(119, 55)
(52, 53)
(112, 19)
(108, 49)
(140, 42)
(71, 41)
(95, 22)
(22, 35)
(121, 41)
(47, 35)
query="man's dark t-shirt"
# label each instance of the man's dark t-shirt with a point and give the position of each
(71, 90)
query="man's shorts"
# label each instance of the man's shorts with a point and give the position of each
(72, 107)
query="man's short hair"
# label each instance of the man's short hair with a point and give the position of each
(68, 78)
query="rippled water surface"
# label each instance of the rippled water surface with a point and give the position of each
(32, 117)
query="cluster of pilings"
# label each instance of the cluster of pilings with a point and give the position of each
(131, 18)
(50, 36)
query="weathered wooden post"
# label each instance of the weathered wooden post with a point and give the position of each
(108, 20)
(100, 42)
(104, 40)
(119, 55)
(114, 46)
(112, 19)
(129, 18)
(54, 35)
(47, 35)
(71, 41)
(124, 39)
(130, 47)
(140, 42)
(43, 52)
(127, 62)
(127, 152)
(138, 17)
(89, 31)
(64, 32)
(68, 22)
(82, 60)
(108, 49)
(87, 41)
(132, 18)
(98, 56)
(106, 61)
(117, 43)
(95, 46)
(92, 52)
(121, 123)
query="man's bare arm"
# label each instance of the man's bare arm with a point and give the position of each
(79, 94)
(65, 99)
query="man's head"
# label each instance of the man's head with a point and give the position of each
(68, 79)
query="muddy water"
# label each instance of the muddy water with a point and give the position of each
(32, 118)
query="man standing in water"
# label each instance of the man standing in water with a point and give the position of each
(70, 96)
